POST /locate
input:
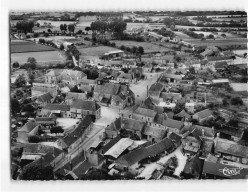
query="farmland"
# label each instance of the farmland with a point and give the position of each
(26, 46)
(95, 51)
(222, 43)
(42, 58)
(148, 47)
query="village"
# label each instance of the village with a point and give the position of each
(117, 96)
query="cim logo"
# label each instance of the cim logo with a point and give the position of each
(230, 172)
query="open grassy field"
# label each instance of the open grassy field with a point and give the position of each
(221, 43)
(148, 47)
(94, 51)
(42, 58)
(17, 46)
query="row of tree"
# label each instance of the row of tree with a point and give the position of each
(25, 26)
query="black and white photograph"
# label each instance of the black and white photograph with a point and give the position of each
(127, 94)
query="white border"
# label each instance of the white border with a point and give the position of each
(98, 5)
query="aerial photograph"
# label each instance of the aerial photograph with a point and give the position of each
(128, 95)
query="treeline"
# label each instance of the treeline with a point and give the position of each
(201, 13)
(25, 26)
(116, 26)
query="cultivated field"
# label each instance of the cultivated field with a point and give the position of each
(42, 58)
(18, 46)
(221, 43)
(148, 47)
(95, 51)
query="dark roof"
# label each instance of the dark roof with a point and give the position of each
(237, 132)
(222, 170)
(78, 131)
(173, 123)
(194, 167)
(183, 113)
(131, 124)
(62, 107)
(175, 137)
(208, 132)
(73, 95)
(29, 126)
(82, 168)
(111, 143)
(155, 132)
(145, 112)
(33, 148)
(204, 113)
(231, 148)
(141, 153)
(85, 105)
(107, 88)
(220, 64)
(45, 97)
(114, 126)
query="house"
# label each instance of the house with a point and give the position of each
(117, 149)
(214, 170)
(46, 121)
(134, 126)
(155, 90)
(72, 140)
(190, 107)
(110, 144)
(175, 138)
(126, 78)
(230, 133)
(225, 148)
(60, 110)
(171, 78)
(173, 125)
(154, 134)
(112, 130)
(72, 96)
(144, 114)
(24, 132)
(226, 114)
(203, 132)
(191, 145)
(147, 68)
(90, 82)
(115, 54)
(206, 147)
(169, 97)
(80, 108)
(129, 63)
(193, 168)
(130, 161)
(219, 66)
(182, 116)
(52, 77)
(242, 117)
(41, 88)
(219, 81)
(44, 99)
(115, 95)
(203, 115)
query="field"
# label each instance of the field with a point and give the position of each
(95, 51)
(182, 35)
(239, 86)
(221, 43)
(42, 58)
(26, 46)
(148, 47)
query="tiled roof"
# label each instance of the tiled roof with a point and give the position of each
(33, 148)
(158, 87)
(231, 148)
(155, 132)
(111, 143)
(62, 107)
(194, 166)
(85, 105)
(208, 132)
(173, 123)
(175, 137)
(125, 76)
(78, 131)
(72, 95)
(107, 88)
(45, 97)
(145, 112)
(29, 126)
(141, 153)
(115, 126)
(131, 124)
(204, 113)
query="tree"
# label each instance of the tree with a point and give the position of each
(61, 47)
(34, 139)
(38, 24)
(87, 28)
(31, 77)
(25, 26)
(71, 28)
(16, 65)
(57, 129)
(20, 81)
(225, 102)
(179, 107)
(233, 122)
(15, 106)
(141, 50)
(236, 101)
(65, 27)
(61, 27)
(175, 65)
(38, 172)
(31, 60)
(28, 108)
